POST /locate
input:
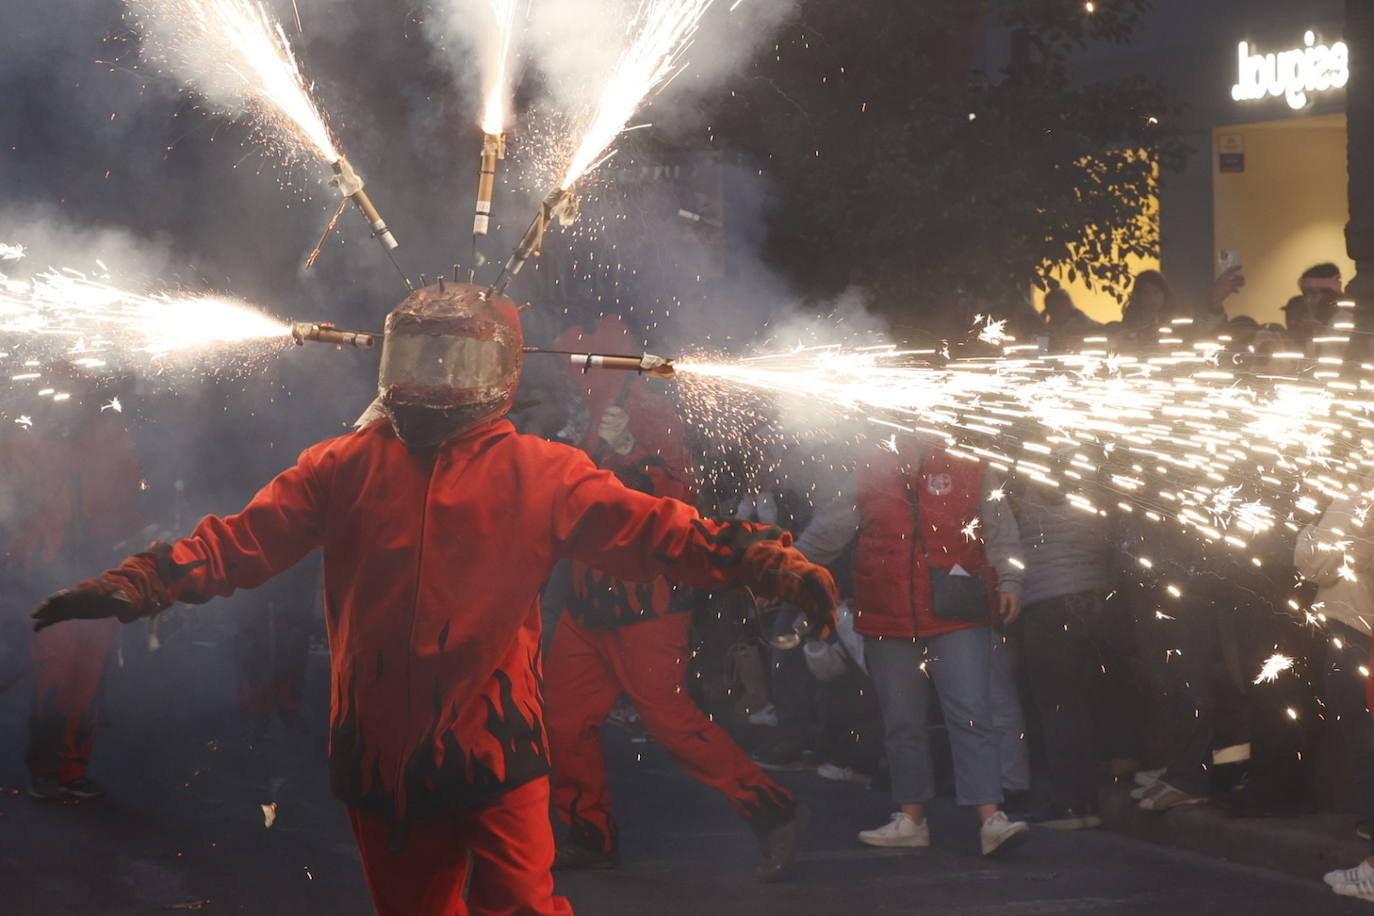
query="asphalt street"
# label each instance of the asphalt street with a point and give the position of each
(183, 829)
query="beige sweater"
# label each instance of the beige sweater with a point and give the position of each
(1328, 545)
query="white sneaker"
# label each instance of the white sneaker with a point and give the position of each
(999, 833)
(900, 831)
(1361, 872)
(843, 774)
(1148, 778)
(1364, 889)
(1162, 796)
(767, 716)
(1145, 780)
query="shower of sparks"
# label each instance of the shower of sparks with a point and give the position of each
(657, 37)
(11, 252)
(92, 323)
(498, 65)
(994, 332)
(1191, 439)
(1274, 665)
(238, 56)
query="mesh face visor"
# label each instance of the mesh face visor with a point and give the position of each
(448, 363)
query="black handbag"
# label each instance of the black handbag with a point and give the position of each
(953, 598)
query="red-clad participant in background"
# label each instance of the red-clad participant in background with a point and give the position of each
(72, 484)
(618, 635)
(439, 526)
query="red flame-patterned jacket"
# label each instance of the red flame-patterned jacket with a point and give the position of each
(657, 465)
(433, 564)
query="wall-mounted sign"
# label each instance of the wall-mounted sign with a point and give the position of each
(1295, 75)
(1231, 152)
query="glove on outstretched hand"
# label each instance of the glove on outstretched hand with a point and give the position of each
(784, 573)
(136, 588)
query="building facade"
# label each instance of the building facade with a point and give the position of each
(1262, 83)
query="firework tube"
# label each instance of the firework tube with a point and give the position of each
(301, 331)
(350, 185)
(561, 204)
(645, 364)
(493, 148)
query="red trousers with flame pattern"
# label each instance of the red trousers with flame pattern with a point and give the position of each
(511, 843)
(584, 675)
(68, 666)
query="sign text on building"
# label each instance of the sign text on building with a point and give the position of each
(1295, 75)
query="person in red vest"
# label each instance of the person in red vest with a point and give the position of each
(72, 485)
(618, 636)
(935, 567)
(439, 524)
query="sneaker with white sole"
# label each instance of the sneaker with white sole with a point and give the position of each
(1163, 796)
(1340, 876)
(1363, 889)
(1145, 781)
(1000, 833)
(900, 831)
(843, 774)
(1147, 778)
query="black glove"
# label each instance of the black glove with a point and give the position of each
(81, 604)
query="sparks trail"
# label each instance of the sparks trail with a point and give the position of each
(497, 67)
(658, 36)
(1228, 455)
(68, 314)
(238, 57)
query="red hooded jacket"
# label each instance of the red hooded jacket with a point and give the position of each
(433, 564)
(891, 563)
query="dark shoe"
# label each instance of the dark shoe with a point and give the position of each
(778, 844)
(785, 758)
(576, 857)
(82, 788)
(45, 788)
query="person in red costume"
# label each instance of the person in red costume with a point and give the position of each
(618, 636)
(439, 523)
(72, 484)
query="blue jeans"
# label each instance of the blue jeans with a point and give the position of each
(976, 697)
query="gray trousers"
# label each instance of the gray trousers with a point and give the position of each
(981, 711)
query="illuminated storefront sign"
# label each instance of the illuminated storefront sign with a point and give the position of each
(1295, 75)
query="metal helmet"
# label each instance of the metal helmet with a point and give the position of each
(451, 361)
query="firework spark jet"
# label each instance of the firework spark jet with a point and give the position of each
(236, 55)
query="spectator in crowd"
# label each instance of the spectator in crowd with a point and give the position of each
(1309, 313)
(850, 724)
(1065, 323)
(1070, 645)
(1153, 306)
(935, 568)
(1337, 553)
